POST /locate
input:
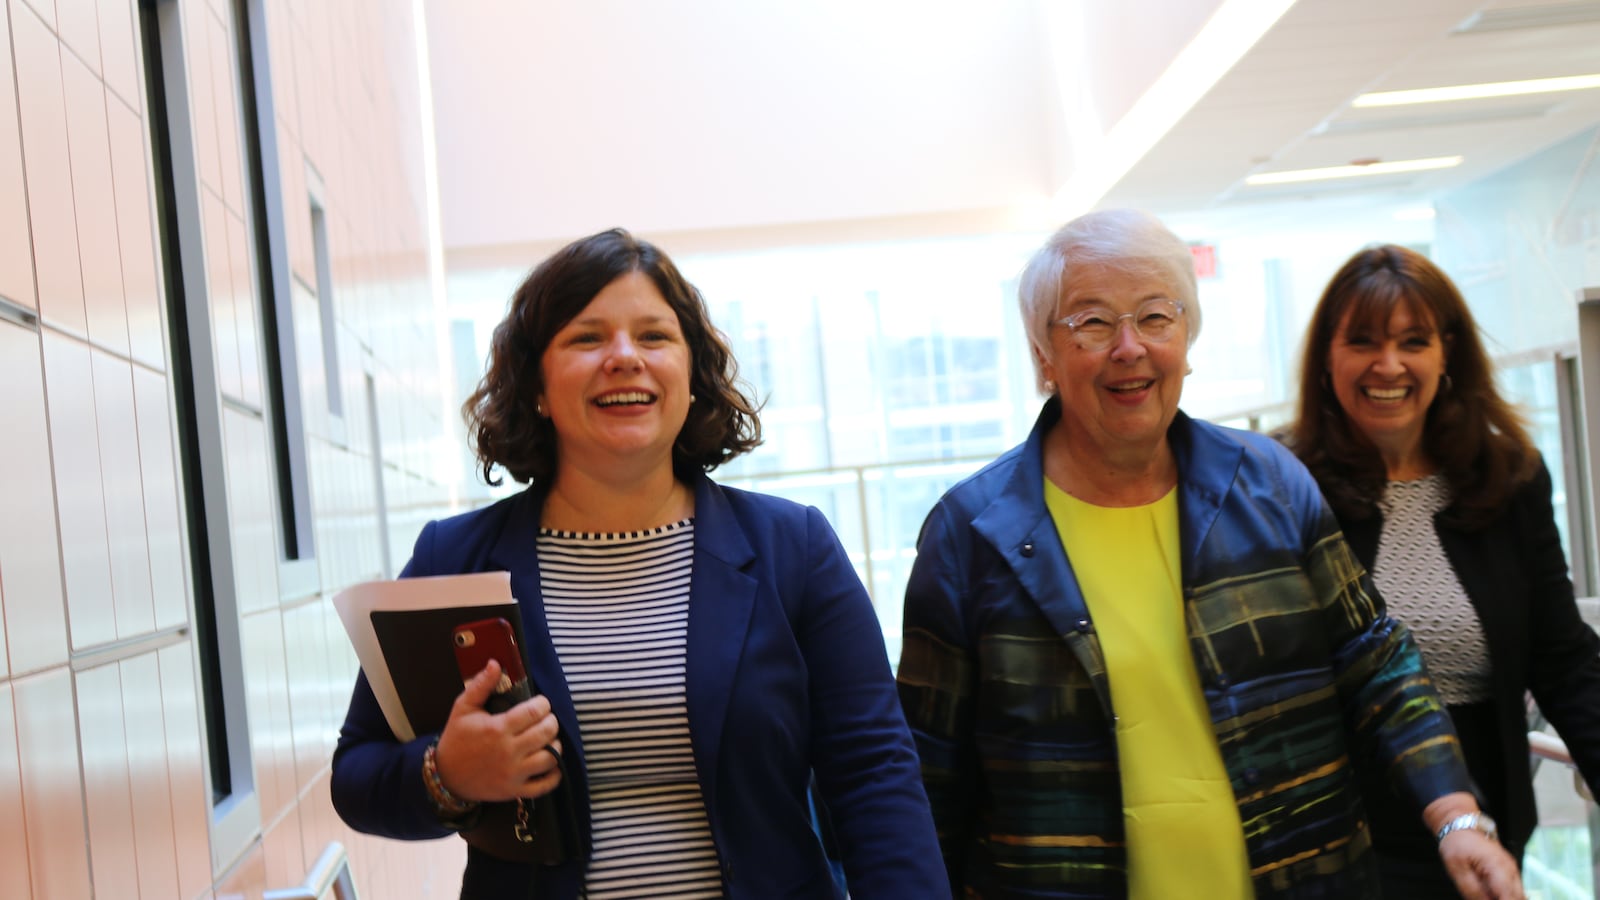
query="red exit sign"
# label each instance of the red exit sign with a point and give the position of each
(1205, 260)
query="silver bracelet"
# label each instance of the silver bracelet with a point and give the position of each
(1477, 821)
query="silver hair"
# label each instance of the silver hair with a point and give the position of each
(1128, 240)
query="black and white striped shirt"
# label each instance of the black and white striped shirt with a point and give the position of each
(618, 608)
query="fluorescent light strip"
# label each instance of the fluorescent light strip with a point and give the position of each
(1104, 160)
(1478, 91)
(1415, 214)
(1382, 168)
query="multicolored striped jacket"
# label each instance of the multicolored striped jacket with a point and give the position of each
(1005, 688)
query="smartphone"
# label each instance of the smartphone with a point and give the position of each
(486, 639)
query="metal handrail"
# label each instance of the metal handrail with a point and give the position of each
(1547, 746)
(330, 873)
(1589, 609)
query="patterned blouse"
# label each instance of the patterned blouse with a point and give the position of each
(1417, 582)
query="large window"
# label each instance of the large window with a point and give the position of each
(876, 353)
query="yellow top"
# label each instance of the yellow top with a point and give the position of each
(1182, 821)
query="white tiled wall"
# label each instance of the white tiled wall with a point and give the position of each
(150, 789)
(16, 260)
(89, 145)
(30, 561)
(13, 838)
(80, 500)
(180, 708)
(53, 806)
(107, 781)
(48, 175)
(102, 750)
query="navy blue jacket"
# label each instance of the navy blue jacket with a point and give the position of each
(787, 674)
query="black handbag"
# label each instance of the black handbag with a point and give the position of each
(543, 830)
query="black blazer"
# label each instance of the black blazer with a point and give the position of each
(1515, 574)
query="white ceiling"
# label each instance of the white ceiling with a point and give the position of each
(1286, 106)
(727, 123)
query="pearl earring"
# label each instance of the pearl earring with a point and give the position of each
(1049, 386)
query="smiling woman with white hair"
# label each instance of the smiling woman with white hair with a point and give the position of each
(1138, 656)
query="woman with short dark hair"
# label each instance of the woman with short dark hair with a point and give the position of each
(702, 651)
(508, 432)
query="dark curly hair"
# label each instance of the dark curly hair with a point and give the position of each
(502, 424)
(1473, 434)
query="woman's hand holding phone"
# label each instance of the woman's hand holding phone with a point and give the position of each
(487, 757)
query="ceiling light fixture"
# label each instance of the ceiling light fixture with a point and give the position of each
(1355, 171)
(1541, 15)
(1478, 91)
(1104, 159)
(1415, 214)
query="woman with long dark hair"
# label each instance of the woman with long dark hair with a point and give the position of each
(1443, 497)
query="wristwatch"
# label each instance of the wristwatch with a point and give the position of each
(1477, 821)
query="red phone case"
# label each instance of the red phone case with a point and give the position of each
(543, 830)
(478, 642)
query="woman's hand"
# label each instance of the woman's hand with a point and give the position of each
(1480, 867)
(491, 758)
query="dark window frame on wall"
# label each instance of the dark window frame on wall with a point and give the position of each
(298, 577)
(235, 813)
(322, 250)
(1579, 380)
(235, 818)
(17, 314)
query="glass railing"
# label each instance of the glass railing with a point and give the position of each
(1562, 861)
(877, 511)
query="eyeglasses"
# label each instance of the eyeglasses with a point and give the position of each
(1095, 328)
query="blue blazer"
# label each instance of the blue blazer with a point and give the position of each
(786, 675)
